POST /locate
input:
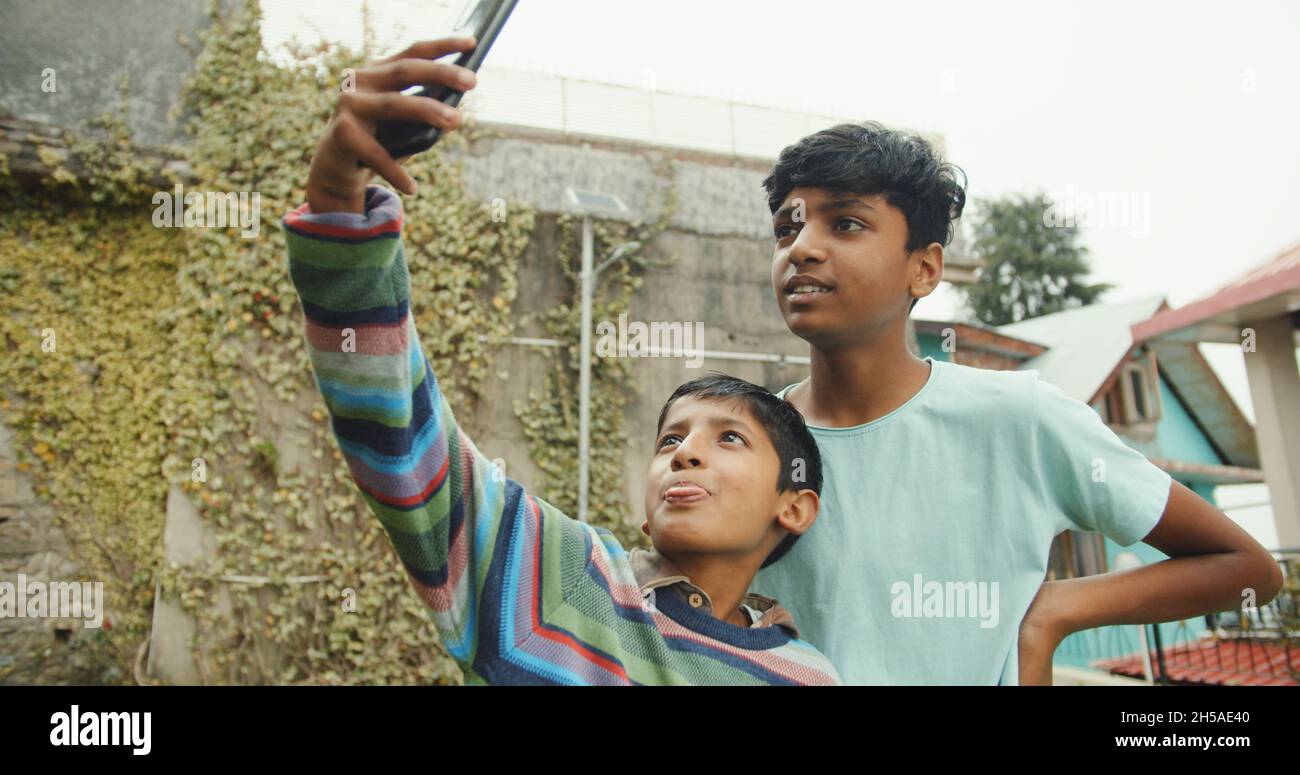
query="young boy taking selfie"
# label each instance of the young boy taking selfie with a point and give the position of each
(519, 592)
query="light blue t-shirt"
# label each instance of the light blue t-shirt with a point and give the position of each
(937, 519)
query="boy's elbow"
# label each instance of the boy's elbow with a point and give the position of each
(1266, 572)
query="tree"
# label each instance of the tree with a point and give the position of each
(1028, 268)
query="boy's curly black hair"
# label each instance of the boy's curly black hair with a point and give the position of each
(869, 158)
(783, 424)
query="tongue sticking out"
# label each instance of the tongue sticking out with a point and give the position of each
(685, 493)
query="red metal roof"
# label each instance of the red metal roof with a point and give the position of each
(1234, 662)
(1277, 276)
(1286, 260)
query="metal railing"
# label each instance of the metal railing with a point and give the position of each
(1251, 645)
(641, 114)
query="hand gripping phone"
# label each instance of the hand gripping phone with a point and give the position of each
(481, 18)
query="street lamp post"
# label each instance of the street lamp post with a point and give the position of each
(590, 203)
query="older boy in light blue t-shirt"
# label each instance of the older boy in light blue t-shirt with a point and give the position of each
(944, 513)
(945, 484)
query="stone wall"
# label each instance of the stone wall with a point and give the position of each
(90, 47)
(32, 547)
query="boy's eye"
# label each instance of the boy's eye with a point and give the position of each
(850, 222)
(780, 231)
(725, 434)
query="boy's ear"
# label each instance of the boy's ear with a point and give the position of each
(929, 270)
(800, 513)
(645, 527)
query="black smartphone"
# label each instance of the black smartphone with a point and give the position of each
(481, 18)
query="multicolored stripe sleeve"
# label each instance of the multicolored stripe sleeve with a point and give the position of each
(476, 546)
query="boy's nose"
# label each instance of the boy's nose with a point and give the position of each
(804, 250)
(685, 456)
(685, 462)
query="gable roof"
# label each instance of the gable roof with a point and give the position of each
(1087, 344)
(1267, 289)
(1201, 392)
(1084, 344)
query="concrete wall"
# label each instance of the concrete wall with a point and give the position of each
(90, 46)
(33, 545)
(720, 238)
(1275, 395)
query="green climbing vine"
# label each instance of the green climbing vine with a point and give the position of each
(86, 351)
(148, 368)
(179, 368)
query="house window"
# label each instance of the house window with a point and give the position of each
(1139, 393)
(1135, 395)
(1074, 554)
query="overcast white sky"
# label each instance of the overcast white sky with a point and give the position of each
(1193, 106)
(1195, 103)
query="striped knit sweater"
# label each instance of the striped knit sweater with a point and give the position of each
(520, 593)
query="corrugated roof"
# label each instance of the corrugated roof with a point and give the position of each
(1287, 259)
(1234, 662)
(1266, 290)
(1084, 343)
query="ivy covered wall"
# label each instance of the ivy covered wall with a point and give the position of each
(177, 390)
(143, 360)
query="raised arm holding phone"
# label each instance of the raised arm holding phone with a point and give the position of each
(520, 592)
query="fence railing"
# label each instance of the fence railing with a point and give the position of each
(1252, 645)
(644, 114)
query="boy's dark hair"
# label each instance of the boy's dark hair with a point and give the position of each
(869, 158)
(783, 424)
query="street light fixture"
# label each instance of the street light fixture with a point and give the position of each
(590, 204)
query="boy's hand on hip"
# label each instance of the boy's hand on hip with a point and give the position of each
(336, 183)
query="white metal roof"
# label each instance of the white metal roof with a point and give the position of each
(1085, 344)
